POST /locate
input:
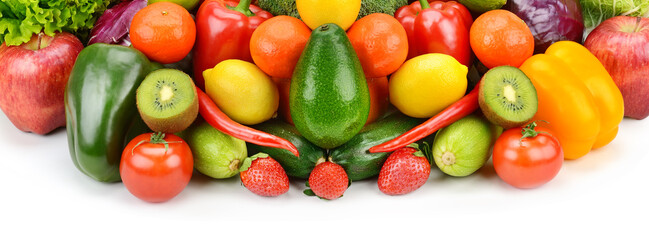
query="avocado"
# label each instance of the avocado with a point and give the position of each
(328, 97)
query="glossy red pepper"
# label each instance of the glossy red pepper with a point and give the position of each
(438, 27)
(223, 30)
(215, 117)
(463, 107)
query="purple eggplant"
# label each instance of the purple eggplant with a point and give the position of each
(550, 20)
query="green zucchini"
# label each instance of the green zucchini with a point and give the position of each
(354, 156)
(295, 167)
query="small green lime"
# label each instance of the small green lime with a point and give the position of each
(464, 146)
(216, 154)
(481, 6)
(187, 4)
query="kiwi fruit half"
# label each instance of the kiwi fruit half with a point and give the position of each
(463, 147)
(507, 97)
(167, 101)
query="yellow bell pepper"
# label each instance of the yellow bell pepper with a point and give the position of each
(576, 96)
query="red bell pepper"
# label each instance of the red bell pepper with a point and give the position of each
(438, 27)
(223, 30)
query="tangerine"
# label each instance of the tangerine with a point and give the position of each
(165, 32)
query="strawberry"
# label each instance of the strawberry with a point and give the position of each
(327, 181)
(264, 176)
(404, 171)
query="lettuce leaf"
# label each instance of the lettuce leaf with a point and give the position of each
(19, 19)
(597, 11)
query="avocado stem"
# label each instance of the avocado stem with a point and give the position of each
(324, 28)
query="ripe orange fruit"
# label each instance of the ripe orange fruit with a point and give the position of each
(381, 44)
(284, 87)
(165, 32)
(379, 99)
(500, 38)
(276, 45)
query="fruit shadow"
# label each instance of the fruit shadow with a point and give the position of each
(200, 180)
(486, 172)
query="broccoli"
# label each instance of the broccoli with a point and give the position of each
(380, 6)
(287, 7)
(279, 7)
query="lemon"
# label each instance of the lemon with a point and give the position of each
(242, 91)
(427, 84)
(318, 12)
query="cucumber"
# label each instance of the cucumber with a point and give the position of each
(295, 167)
(354, 156)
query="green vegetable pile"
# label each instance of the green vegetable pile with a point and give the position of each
(20, 19)
(596, 11)
(287, 7)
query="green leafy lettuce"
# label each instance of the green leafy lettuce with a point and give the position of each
(596, 11)
(19, 19)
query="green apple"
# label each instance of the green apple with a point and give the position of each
(187, 4)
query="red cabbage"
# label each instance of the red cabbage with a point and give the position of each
(550, 20)
(112, 27)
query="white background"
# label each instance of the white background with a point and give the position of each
(604, 195)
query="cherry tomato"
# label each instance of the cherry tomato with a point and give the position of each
(156, 167)
(527, 157)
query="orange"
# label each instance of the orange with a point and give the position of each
(276, 45)
(379, 100)
(381, 44)
(500, 38)
(284, 87)
(165, 32)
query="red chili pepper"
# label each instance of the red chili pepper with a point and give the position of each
(215, 117)
(438, 27)
(223, 30)
(463, 107)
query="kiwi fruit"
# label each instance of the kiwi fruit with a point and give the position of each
(167, 101)
(463, 147)
(507, 97)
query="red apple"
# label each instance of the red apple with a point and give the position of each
(622, 45)
(33, 78)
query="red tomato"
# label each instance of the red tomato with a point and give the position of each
(528, 162)
(153, 173)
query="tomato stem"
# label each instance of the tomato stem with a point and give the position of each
(156, 138)
(530, 132)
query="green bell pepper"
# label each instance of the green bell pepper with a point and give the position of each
(100, 107)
